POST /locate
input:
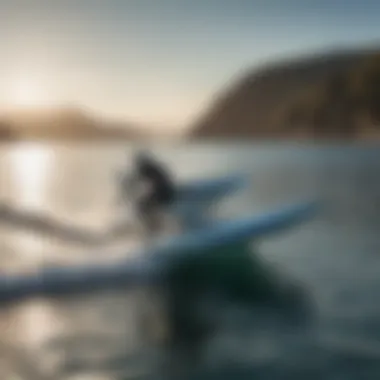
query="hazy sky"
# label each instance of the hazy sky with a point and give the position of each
(159, 61)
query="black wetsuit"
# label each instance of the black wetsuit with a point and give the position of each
(162, 191)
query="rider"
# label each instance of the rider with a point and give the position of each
(155, 190)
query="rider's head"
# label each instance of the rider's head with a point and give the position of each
(142, 158)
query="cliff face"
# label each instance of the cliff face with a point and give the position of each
(320, 97)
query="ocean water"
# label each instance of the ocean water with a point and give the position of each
(335, 257)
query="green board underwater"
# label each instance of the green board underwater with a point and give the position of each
(238, 274)
(233, 270)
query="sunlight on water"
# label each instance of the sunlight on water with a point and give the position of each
(38, 323)
(30, 168)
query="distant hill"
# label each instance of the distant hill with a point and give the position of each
(330, 96)
(7, 133)
(62, 124)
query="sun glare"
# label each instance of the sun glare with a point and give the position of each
(28, 94)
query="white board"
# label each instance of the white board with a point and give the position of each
(151, 264)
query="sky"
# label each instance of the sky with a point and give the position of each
(160, 62)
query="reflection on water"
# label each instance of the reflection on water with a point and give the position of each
(30, 166)
(336, 257)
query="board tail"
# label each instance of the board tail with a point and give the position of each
(229, 232)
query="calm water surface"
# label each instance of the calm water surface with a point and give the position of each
(336, 256)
